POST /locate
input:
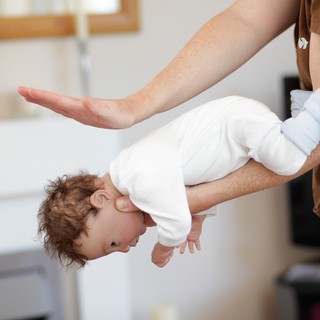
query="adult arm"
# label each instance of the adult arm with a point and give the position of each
(250, 178)
(315, 60)
(244, 28)
(253, 176)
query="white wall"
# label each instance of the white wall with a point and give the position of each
(247, 245)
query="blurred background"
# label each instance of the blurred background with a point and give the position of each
(244, 248)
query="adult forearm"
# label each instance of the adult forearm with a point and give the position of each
(250, 178)
(205, 60)
(222, 45)
(315, 60)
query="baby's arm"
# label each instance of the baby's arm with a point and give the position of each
(161, 255)
(194, 235)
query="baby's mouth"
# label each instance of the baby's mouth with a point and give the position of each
(135, 243)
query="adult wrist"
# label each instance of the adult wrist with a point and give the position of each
(141, 106)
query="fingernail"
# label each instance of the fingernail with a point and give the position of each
(122, 204)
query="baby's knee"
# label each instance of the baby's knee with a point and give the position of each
(279, 154)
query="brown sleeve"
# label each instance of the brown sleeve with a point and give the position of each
(315, 16)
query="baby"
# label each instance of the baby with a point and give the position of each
(79, 218)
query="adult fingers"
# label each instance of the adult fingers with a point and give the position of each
(59, 103)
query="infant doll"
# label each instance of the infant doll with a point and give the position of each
(79, 218)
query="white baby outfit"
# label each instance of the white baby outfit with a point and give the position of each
(202, 145)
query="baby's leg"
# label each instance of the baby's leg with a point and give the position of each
(279, 154)
(298, 99)
(304, 129)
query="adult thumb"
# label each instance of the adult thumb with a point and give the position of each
(124, 204)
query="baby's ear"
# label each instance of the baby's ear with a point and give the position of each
(99, 199)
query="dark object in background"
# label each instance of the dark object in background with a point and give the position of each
(304, 223)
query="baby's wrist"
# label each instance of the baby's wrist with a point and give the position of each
(163, 248)
(198, 219)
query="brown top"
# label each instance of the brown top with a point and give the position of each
(308, 21)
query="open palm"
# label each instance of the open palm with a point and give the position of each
(109, 114)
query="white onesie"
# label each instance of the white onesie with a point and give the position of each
(202, 145)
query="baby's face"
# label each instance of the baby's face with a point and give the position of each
(110, 231)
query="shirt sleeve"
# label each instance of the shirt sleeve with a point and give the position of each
(315, 16)
(162, 194)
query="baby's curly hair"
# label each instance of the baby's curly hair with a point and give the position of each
(64, 213)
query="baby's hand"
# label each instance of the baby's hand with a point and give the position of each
(161, 255)
(193, 238)
(191, 243)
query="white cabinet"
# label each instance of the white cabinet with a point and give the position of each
(33, 151)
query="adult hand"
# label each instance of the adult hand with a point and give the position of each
(198, 200)
(124, 204)
(109, 114)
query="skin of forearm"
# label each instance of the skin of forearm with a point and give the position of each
(244, 28)
(248, 179)
(315, 60)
